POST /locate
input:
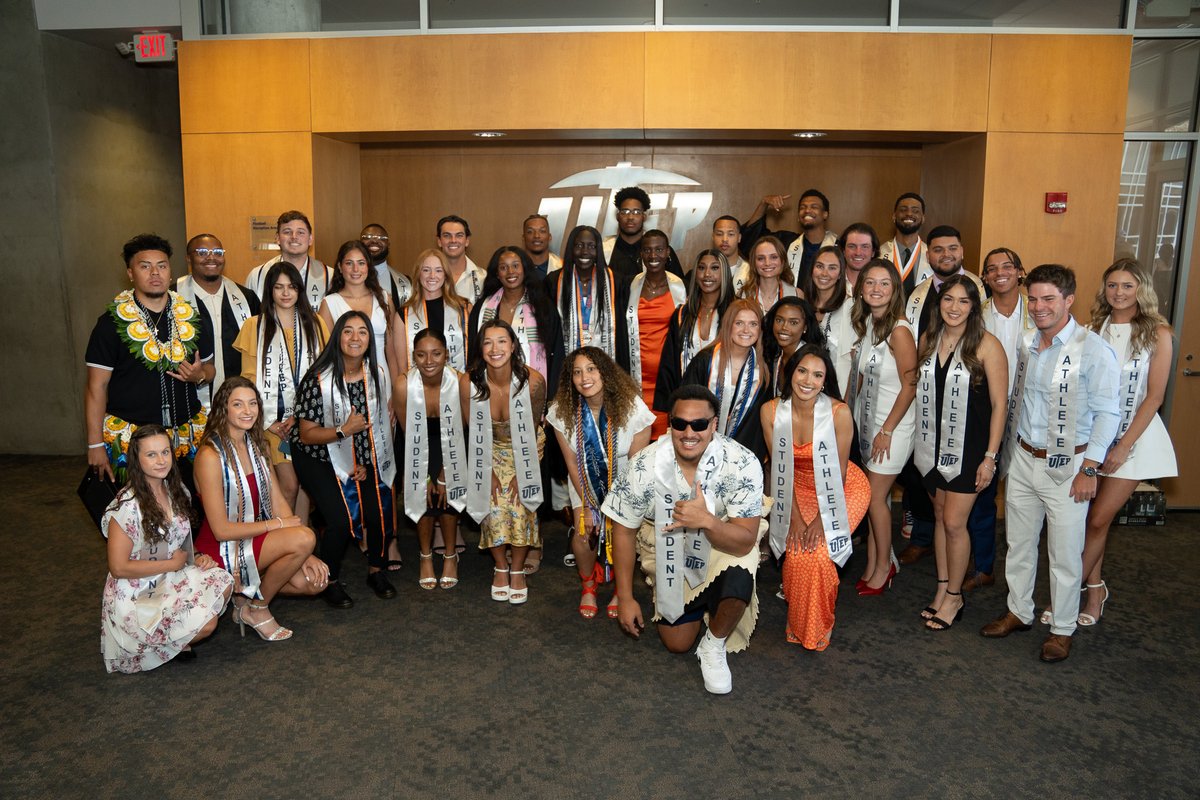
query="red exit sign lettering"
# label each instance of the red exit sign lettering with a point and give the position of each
(153, 46)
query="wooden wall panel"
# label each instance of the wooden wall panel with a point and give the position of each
(408, 188)
(1059, 83)
(952, 179)
(337, 194)
(827, 81)
(230, 177)
(456, 83)
(235, 86)
(1021, 168)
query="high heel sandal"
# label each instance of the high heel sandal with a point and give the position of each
(588, 590)
(614, 607)
(427, 583)
(929, 612)
(500, 593)
(448, 581)
(939, 624)
(870, 591)
(1087, 620)
(278, 635)
(518, 597)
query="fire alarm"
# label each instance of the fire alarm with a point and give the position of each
(1056, 202)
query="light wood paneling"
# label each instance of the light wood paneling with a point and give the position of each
(1021, 168)
(408, 188)
(952, 185)
(337, 194)
(1059, 83)
(834, 81)
(230, 177)
(468, 83)
(234, 86)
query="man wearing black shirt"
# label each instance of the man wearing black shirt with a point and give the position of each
(622, 252)
(812, 214)
(147, 354)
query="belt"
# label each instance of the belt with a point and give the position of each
(1040, 452)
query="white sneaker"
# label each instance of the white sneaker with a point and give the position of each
(711, 653)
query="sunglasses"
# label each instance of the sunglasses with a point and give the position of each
(698, 425)
(205, 252)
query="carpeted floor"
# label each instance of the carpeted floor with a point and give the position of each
(448, 694)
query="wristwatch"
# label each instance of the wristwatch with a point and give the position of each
(342, 434)
(1090, 472)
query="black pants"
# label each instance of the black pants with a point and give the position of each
(735, 582)
(363, 510)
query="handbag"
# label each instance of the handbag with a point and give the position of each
(96, 493)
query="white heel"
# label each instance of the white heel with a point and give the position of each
(500, 593)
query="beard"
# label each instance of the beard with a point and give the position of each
(943, 274)
(908, 230)
(379, 257)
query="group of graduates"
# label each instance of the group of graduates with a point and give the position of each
(763, 401)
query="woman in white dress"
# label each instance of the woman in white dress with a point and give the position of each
(883, 386)
(1126, 315)
(830, 295)
(355, 287)
(771, 275)
(159, 599)
(600, 421)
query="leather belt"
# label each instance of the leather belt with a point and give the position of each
(1040, 452)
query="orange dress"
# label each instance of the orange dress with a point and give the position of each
(654, 319)
(810, 580)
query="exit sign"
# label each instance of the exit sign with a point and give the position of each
(153, 46)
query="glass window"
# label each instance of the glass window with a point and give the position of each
(775, 12)
(1162, 85)
(1166, 14)
(1013, 13)
(370, 15)
(1150, 211)
(538, 13)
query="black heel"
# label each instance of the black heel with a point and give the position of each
(929, 612)
(939, 624)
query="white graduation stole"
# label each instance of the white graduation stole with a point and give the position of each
(341, 453)
(681, 554)
(736, 393)
(575, 334)
(1135, 370)
(913, 310)
(186, 286)
(453, 329)
(954, 416)
(914, 258)
(279, 371)
(868, 365)
(678, 295)
(238, 554)
(524, 444)
(827, 479)
(417, 446)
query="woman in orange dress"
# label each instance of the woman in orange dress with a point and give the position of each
(814, 532)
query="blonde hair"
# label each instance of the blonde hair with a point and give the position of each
(1146, 319)
(449, 296)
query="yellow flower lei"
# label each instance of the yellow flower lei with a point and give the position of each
(135, 331)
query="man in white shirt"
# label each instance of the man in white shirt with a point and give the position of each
(453, 239)
(727, 239)
(1064, 416)
(906, 250)
(859, 244)
(294, 235)
(535, 232)
(395, 284)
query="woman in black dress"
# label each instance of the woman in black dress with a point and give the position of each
(962, 382)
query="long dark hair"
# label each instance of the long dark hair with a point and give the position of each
(812, 329)
(750, 287)
(310, 329)
(535, 289)
(331, 357)
(477, 367)
(567, 275)
(372, 283)
(972, 333)
(840, 295)
(155, 524)
(216, 431)
(789, 370)
(689, 312)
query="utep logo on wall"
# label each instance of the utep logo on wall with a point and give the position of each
(675, 212)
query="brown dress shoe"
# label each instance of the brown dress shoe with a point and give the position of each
(978, 581)
(914, 553)
(1003, 626)
(1056, 648)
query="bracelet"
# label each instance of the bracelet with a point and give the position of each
(885, 433)
(989, 454)
(280, 521)
(95, 446)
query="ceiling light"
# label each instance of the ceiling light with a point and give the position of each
(808, 134)
(489, 134)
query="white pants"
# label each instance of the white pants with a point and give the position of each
(1030, 497)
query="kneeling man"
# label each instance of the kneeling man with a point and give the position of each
(689, 506)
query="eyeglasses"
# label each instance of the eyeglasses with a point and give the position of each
(373, 237)
(205, 252)
(698, 425)
(630, 212)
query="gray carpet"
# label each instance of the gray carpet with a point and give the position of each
(448, 694)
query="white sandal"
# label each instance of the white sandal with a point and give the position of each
(448, 581)
(1087, 620)
(427, 583)
(500, 593)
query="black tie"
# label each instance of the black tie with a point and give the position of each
(907, 255)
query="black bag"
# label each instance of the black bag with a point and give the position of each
(96, 493)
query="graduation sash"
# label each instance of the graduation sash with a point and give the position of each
(238, 554)
(950, 437)
(1135, 369)
(678, 292)
(737, 396)
(523, 429)
(453, 328)
(339, 407)
(681, 554)
(416, 444)
(236, 299)
(524, 324)
(279, 371)
(582, 329)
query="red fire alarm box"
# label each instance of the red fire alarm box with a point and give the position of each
(1056, 202)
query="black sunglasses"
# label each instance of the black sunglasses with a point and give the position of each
(681, 424)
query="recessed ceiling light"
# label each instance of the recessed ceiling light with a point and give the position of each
(808, 134)
(489, 134)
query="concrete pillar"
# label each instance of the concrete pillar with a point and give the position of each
(274, 16)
